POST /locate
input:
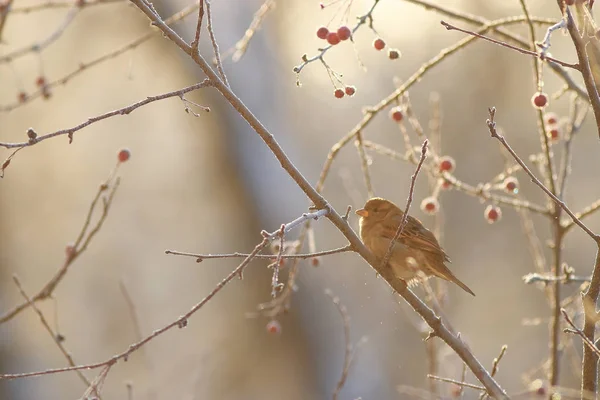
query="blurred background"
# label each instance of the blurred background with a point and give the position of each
(209, 185)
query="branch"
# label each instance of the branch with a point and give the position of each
(182, 321)
(202, 257)
(404, 220)
(196, 40)
(492, 128)
(55, 337)
(122, 111)
(72, 251)
(584, 63)
(320, 203)
(510, 46)
(579, 333)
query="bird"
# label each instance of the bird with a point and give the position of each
(417, 255)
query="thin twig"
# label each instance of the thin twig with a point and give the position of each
(240, 48)
(565, 279)
(73, 251)
(213, 41)
(364, 164)
(50, 5)
(348, 346)
(574, 329)
(459, 383)
(510, 46)
(495, 364)
(320, 202)
(182, 321)
(196, 42)
(404, 220)
(121, 111)
(585, 68)
(202, 257)
(55, 337)
(82, 67)
(492, 128)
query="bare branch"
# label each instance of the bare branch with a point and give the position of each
(121, 111)
(404, 220)
(492, 128)
(510, 46)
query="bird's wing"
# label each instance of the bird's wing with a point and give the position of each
(416, 236)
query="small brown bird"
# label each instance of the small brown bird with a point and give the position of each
(417, 253)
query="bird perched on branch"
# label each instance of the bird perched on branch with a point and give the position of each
(416, 254)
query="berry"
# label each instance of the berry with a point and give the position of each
(447, 164)
(446, 185)
(551, 118)
(124, 155)
(339, 93)
(333, 38)
(273, 327)
(315, 261)
(379, 44)
(40, 81)
(539, 100)
(492, 214)
(393, 54)
(322, 32)
(430, 205)
(396, 114)
(511, 185)
(22, 97)
(350, 90)
(554, 134)
(344, 33)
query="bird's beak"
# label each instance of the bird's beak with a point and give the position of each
(362, 212)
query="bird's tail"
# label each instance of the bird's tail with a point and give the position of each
(443, 272)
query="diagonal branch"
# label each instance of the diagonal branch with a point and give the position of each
(320, 202)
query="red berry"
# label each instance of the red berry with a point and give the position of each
(554, 134)
(396, 114)
(492, 214)
(22, 97)
(539, 100)
(379, 44)
(339, 93)
(40, 81)
(511, 185)
(551, 118)
(344, 33)
(315, 261)
(393, 54)
(350, 90)
(447, 164)
(541, 391)
(124, 155)
(273, 327)
(322, 32)
(430, 205)
(446, 185)
(333, 38)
